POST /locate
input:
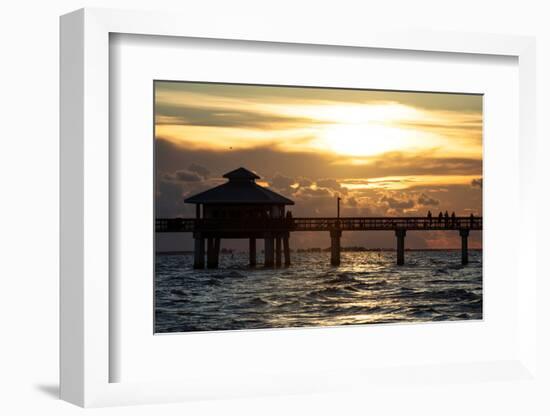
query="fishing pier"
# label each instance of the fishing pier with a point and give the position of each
(276, 232)
(241, 208)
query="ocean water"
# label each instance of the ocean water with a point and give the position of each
(367, 288)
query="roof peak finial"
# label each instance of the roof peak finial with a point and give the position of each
(241, 174)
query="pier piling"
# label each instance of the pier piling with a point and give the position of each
(252, 251)
(269, 250)
(400, 234)
(286, 246)
(278, 254)
(335, 235)
(210, 253)
(198, 262)
(217, 243)
(464, 233)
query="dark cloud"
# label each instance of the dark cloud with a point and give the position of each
(351, 202)
(304, 181)
(169, 201)
(314, 192)
(398, 204)
(194, 173)
(331, 184)
(306, 165)
(426, 163)
(281, 181)
(188, 115)
(427, 201)
(201, 170)
(187, 176)
(183, 175)
(305, 95)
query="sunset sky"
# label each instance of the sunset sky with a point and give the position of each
(383, 152)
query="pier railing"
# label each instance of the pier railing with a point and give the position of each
(273, 230)
(387, 223)
(319, 224)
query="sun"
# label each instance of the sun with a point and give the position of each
(363, 139)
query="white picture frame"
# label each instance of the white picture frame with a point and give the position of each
(85, 216)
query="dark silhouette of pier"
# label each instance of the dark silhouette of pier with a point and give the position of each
(240, 208)
(215, 229)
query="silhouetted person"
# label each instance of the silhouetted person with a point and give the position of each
(446, 218)
(430, 217)
(472, 220)
(453, 219)
(289, 217)
(440, 216)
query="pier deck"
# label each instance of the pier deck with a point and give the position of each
(275, 233)
(166, 225)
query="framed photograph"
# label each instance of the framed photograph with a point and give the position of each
(338, 168)
(270, 212)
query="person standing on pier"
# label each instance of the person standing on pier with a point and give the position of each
(430, 218)
(453, 219)
(446, 218)
(472, 220)
(289, 217)
(440, 216)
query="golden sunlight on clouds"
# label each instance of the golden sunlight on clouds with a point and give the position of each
(358, 129)
(404, 182)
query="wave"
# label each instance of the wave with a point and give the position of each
(257, 301)
(342, 278)
(327, 292)
(451, 295)
(178, 292)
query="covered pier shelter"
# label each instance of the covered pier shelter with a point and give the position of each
(240, 208)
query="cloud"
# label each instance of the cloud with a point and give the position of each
(281, 181)
(333, 185)
(261, 94)
(351, 202)
(183, 176)
(201, 170)
(427, 201)
(314, 192)
(188, 115)
(411, 163)
(304, 166)
(187, 176)
(328, 183)
(304, 181)
(194, 173)
(169, 200)
(398, 204)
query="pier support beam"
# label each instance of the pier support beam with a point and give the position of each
(400, 234)
(217, 244)
(198, 262)
(212, 253)
(286, 246)
(464, 232)
(335, 247)
(269, 251)
(278, 253)
(252, 251)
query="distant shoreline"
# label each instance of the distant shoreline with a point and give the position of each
(317, 250)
